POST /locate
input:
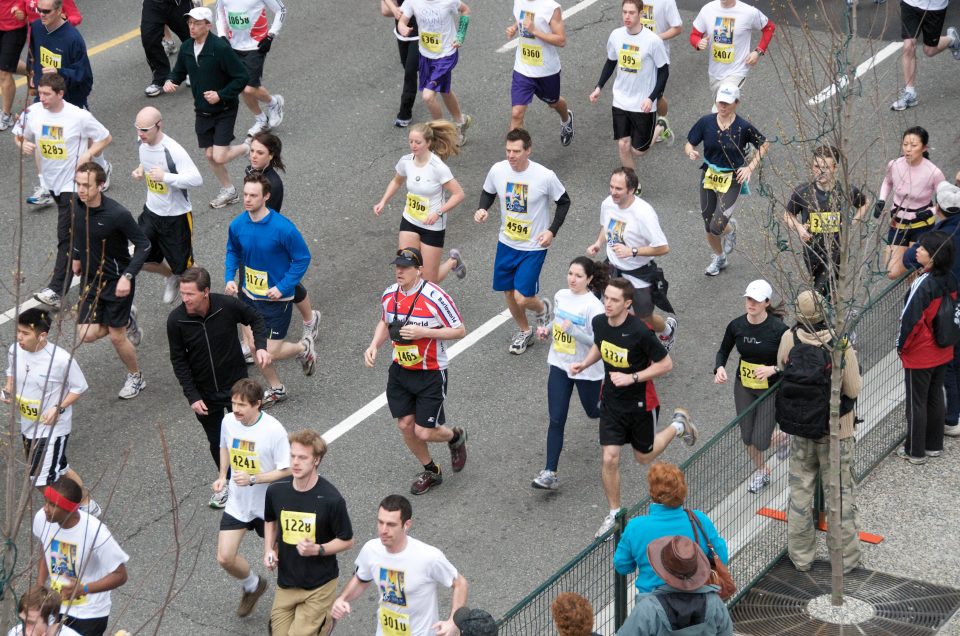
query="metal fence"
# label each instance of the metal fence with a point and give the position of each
(717, 476)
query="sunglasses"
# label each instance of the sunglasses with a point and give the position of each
(44, 11)
(148, 128)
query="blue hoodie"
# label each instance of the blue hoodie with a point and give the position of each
(65, 49)
(272, 245)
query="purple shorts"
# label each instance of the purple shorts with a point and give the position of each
(435, 75)
(523, 88)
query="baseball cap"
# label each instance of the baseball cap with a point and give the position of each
(947, 198)
(408, 257)
(201, 13)
(474, 622)
(728, 93)
(759, 290)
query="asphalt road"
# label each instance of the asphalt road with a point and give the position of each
(336, 65)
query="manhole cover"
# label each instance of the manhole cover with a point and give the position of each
(778, 604)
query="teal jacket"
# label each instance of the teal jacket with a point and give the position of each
(219, 69)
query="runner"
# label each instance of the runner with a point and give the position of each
(13, 37)
(922, 17)
(442, 25)
(167, 217)
(254, 445)
(525, 189)
(64, 136)
(56, 46)
(725, 136)
(630, 229)
(216, 77)
(158, 19)
(536, 68)
(244, 24)
(79, 557)
(407, 572)
(643, 66)
(313, 528)
(108, 271)
(632, 357)
(39, 610)
(816, 212)
(409, 60)
(45, 400)
(431, 193)
(663, 18)
(756, 336)
(726, 28)
(910, 182)
(274, 258)
(572, 335)
(206, 356)
(418, 324)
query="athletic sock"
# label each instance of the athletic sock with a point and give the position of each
(432, 468)
(273, 102)
(614, 511)
(679, 427)
(250, 583)
(455, 438)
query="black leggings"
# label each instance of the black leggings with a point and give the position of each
(716, 208)
(410, 59)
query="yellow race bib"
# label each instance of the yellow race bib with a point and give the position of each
(407, 355)
(49, 59)
(517, 229)
(432, 42)
(748, 376)
(57, 583)
(53, 149)
(244, 461)
(297, 526)
(562, 341)
(630, 60)
(531, 54)
(256, 281)
(717, 181)
(824, 222)
(613, 355)
(722, 53)
(29, 409)
(417, 207)
(157, 187)
(394, 623)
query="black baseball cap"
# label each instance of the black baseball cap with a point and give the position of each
(408, 257)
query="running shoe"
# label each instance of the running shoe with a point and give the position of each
(425, 481)
(249, 599)
(462, 129)
(460, 269)
(48, 297)
(247, 354)
(134, 332)
(714, 267)
(92, 508)
(170, 47)
(259, 125)
(690, 432)
(227, 196)
(109, 170)
(41, 197)
(931, 453)
(546, 480)
(308, 359)
(545, 317)
(219, 499)
(521, 340)
(566, 130)
(608, 522)
(7, 120)
(907, 99)
(951, 430)
(916, 461)
(153, 90)
(275, 113)
(312, 329)
(132, 387)
(274, 395)
(759, 481)
(458, 451)
(952, 33)
(171, 289)
(666, 135)
(401, 123)
(730, 238)
(668, 341)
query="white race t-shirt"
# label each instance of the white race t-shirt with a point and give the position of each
(244, 22)
(407, 583)
(635, 226)
(255, 449)
(61, 138)
(579, 309)
(928, 5)
(169, 197)
(660, 16)
(64, 631)
(44, 379)
(86, 551)
(525, 199)
(638, 57)
(535, 58)
(437, 21)
(424, 190)
(728, 31)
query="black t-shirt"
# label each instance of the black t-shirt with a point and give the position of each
(756, 344)
(626, 348)
(319, 513)
(725, 148)
(823, 210)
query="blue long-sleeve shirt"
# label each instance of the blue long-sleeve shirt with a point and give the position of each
(660, 521)
(272, 252)
(64, 49)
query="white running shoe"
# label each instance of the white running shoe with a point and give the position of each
(132, 387)
(134, 332)
(41, 197)
(713, 269)
(109, 170)
(48, 297)
(759, 481)
(906, 99)
(546, 480)
(608, 522)
(219, 499)
(153, 90)
(169, 47)
(668, 341)
(171, 289)
(729, 239)
(275, 113)
(312, 330)
(227, 196)
(259, 126)
(7, 120)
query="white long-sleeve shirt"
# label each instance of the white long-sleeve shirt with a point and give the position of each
(169, 197)
(244, 22)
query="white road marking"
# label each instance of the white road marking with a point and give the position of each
(574, 10)
(10, 314)
(380, 401)
(831, 90)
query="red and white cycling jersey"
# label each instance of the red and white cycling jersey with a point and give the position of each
(427, 306)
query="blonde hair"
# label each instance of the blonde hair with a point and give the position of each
(441, 137)
(311, 439)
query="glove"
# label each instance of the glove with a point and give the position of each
(878, 208)
(264, 45)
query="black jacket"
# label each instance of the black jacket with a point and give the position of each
(100, 238)
(219, 69)
(205, 351)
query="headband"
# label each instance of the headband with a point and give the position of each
(59, 500)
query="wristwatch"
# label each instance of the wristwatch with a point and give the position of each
(128, 275)
(253, 480)
(634, 251)
(636, 379)
(322, 551)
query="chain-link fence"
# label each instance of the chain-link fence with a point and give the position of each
(717, 477)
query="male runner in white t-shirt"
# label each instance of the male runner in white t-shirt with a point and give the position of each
(662, 18)
(922, 18)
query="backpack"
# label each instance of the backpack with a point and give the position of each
(946, 322)
(803, 399)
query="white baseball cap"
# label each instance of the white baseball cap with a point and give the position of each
(759, 290)
(201, 13)
(728, 93)
(948, 198)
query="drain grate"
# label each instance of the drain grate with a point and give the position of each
(777, 604)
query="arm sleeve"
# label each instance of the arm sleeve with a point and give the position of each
(580, 335)
(269, 512)
(299, 262)
(76, 382)
(179, 71)
(77, 73)
(141, 244)
(219, 15)
(719, 544)
(910, 257)
(913, 313)
(695, 37)
(340, 524)
(563, 206)
(234, 68)
(663, 72)
(887, 184)
(767, 35)
(723, 354)
(609, 66)
(486, 200)
(279, 15)
(623, 561)
(178, 359)
(231, 260)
